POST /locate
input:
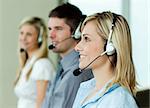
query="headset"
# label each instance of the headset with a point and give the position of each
(77, 33)
(109, 48)
(76, 36)
(40, 39)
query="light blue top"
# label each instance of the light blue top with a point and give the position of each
(116, 97)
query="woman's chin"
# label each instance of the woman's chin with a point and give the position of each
(81, 66)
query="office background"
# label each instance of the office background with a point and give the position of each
(13, 11)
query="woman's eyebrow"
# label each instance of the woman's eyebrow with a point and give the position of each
(85, 34)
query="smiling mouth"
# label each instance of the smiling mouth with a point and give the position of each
(82, 56)
(54, 44)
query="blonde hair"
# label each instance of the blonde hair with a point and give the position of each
(124, 69)
(42, 52)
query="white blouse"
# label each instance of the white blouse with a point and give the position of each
(26, 89)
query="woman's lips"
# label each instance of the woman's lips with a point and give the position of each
(82, 56)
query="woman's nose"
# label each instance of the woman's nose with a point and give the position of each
(22, 37)
(78, 47)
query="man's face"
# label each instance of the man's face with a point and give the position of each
(60, 35)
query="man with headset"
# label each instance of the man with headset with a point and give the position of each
(63, 21)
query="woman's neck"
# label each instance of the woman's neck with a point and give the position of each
(31, 53)
(102, 75)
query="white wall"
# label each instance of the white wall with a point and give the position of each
(139, 29)
(90, 7)
(148, 41)
(11, 13)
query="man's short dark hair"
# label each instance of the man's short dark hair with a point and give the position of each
(70, 13)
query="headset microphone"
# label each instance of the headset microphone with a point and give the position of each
(109, 48)
(78, 71)
(22, 50)
(53, 45)
(77, 34)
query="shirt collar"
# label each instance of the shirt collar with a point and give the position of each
(101, 92)
(70, 59)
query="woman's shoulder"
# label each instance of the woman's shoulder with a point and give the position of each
(44, 63)
(121, 97)
(43, 69)
(43, 60)
(121, 91)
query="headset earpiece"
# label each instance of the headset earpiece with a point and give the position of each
(77, 36)
(77, 33)
(109, 48)
(40, 36)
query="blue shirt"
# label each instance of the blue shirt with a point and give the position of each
(63, 90)
(116, 97)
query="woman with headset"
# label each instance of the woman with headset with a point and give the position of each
(106, 47)
(35, 69)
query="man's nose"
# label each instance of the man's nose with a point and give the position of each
(52, 34)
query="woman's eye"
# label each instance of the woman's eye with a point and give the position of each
(21, 33)
(29, 34)
(86, 39)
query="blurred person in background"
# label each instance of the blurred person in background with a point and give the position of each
(35, 69)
